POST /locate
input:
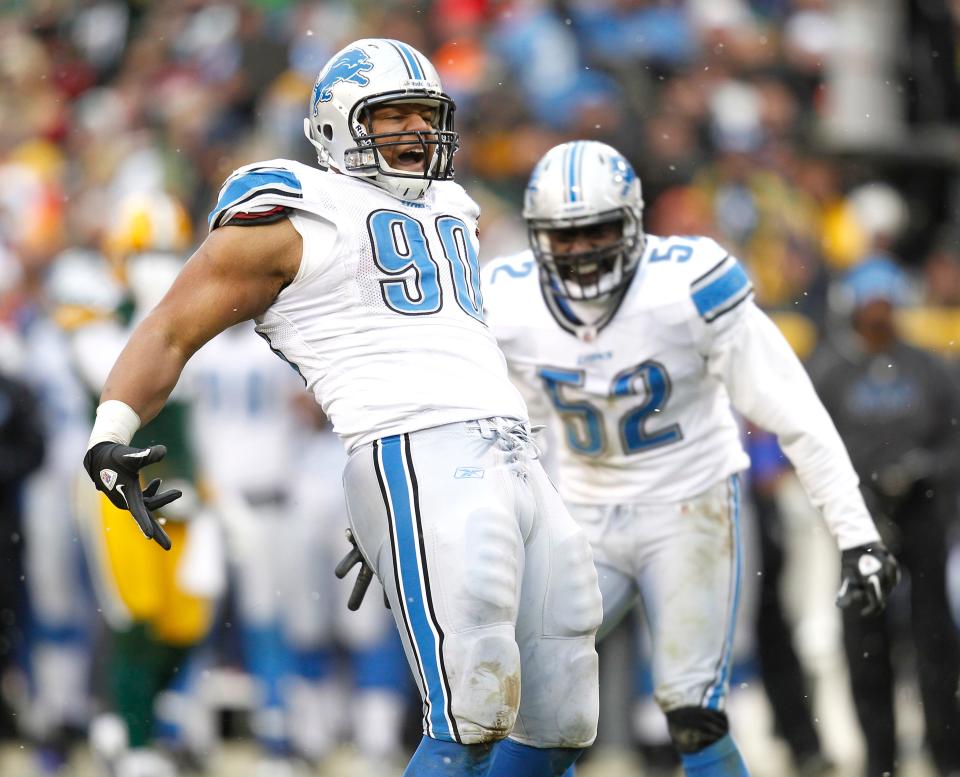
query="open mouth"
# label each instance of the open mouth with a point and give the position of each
(411, 159)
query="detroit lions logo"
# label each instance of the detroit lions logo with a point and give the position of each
(349, 67)
(622, 172)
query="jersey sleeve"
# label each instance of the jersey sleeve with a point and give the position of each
(768, 385)
(718, 291)
(257, 194)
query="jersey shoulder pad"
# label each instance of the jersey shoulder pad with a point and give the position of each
(261, 190)
(450, 194)
(713, 278)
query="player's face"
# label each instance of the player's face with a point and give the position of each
(403, 118)
(579, 252)
(875, 322)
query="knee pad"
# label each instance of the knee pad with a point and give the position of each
(578, 707)
(574, 607)
(486, 695)
(694, 728)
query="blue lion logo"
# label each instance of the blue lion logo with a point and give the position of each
(349, 67)
(622, 172)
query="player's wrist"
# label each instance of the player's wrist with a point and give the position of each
(116, 422)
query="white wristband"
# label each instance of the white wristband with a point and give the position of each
(116, 422)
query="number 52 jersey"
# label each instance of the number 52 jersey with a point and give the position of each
(643, 406)
(384, 320)
(636, 412)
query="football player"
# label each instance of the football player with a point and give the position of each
(640, 348)
(280, 534)
(364, 275)
(158, 606)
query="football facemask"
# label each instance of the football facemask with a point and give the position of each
(586, 262)
(363, 77)
(583, 207)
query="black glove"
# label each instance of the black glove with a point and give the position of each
(360, 587)
(115, 470)
(868, 573)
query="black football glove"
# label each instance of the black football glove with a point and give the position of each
(868, 573)
(364, 577)
(115, 470)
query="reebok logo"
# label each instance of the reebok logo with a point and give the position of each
(465, 473)
(109, 478)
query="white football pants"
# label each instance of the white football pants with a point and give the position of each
(684, 559)
(489, 579)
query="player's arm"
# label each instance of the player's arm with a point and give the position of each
(235, 275)
(769, 386)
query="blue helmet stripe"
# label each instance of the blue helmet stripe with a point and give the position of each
(410, 58)
(572, 184)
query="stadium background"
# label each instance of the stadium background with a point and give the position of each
(805, 135)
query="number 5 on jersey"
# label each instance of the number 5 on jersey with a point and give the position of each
(400, 246)
(584, 422)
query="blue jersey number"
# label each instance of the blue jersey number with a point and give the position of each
(583, 422)
(400, 245)
(654, 383)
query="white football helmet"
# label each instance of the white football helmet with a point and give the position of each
(576, 186)
(374, 72)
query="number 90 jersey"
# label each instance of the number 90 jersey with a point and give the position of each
(634, 409)
(384, 319)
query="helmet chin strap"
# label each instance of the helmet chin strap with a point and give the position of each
(583, 318)
(392, 184)
(323, 158)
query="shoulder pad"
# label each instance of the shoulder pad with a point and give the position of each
(720, 288)
(453, 193)
(259, 188)
(691, 253)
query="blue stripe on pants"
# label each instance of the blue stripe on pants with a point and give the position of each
(413, 598)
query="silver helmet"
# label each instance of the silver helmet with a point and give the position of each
(368, 74)
(588, 187)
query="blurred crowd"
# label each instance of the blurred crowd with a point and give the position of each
(809, 137)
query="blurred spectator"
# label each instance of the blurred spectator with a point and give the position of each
(722, 106)
(158, 605)
(21, 451)
(897, 408)
(780, 669)
(942, 270)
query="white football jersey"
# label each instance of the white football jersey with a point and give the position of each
(384, 319)
(635, 413)
(243, 401)
(642, 404)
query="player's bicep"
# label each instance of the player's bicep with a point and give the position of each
(234, 276)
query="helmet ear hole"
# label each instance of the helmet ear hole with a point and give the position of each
(328, 131)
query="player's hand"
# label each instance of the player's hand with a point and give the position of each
(364, 577)
(115, 470)
(868, 573)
